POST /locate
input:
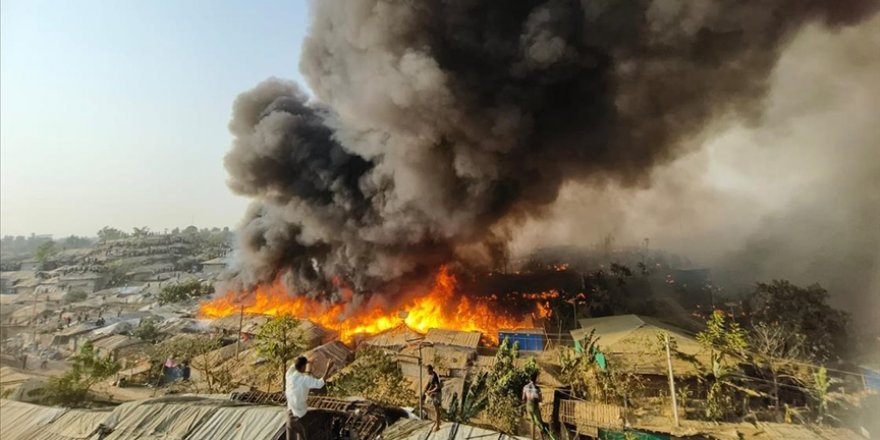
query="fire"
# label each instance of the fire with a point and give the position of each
(442, 307)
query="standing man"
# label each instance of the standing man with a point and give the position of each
(434, 391)
(531, 395)
(297, 392)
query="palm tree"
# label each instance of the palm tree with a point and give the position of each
(474, 398)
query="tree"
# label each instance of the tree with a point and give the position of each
(279, 340)
(76, 242)
(374, 375)
(578, 368)
(45, 251)
(140, 232)
(117, 271)
(726, 343)
(147, 331)
(72, 388)
(75, 296)
(803, 311)
(774, 348)
(506, 381)
(179, 292)
(474, 399)
(107, 233)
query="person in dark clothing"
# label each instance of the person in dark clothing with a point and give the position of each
(185, 370)
(434, 392)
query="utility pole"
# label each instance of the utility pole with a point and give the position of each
(420, 382)
(671, 380)
(421, 344)
(240, 323)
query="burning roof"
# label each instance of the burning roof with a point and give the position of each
(442, 306)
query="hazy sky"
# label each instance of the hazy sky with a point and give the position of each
(115, 112)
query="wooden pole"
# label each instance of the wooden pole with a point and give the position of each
(240, 324)
(421, 390)
(671, 380)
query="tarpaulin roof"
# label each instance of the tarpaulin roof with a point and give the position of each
(17, 418)
(165, 419)
(83, 327)
(396, 337)
(453, 337)
(633, 340)
(114, 342)
(241, 423)
(334, 351)
(74, 424)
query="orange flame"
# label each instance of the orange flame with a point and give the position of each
(442, 307)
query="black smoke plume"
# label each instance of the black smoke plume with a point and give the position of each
(436, 125)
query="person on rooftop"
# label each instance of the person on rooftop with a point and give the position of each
(298, 385)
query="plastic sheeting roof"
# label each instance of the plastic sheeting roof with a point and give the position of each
(165, 419)
(635, 337)
(114, 342)
(72, 425)
(242, 423)
(454, 337)
(17, 418)
(398, 336)
(334, 351)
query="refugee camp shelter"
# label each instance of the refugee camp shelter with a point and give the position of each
(321, 356)
(393, 339)
(117, 347)
(25, 416)
(179, 417)
(453, 338)
(633, 342)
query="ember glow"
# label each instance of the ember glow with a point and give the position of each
(444, 306)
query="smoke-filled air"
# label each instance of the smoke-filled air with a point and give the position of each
(434, 131)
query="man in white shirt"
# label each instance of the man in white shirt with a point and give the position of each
(297, 392)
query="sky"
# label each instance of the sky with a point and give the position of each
(115, 112)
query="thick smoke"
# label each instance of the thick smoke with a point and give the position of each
(796, 196)
(436, 126)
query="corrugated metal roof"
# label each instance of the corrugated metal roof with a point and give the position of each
(453, 337)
